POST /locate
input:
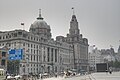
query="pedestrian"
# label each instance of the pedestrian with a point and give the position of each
(106, 71)
(110, 70)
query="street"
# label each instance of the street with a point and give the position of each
(93, 76)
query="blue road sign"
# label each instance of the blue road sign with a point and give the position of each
(15, 54)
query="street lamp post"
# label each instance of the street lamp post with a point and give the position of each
(24, 69)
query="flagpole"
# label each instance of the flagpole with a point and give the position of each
(23, 25)
(73, 10)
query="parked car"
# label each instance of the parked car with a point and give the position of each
(45, 75)
(24, 77)
(11, 78)
(82, 72)
(18, 77)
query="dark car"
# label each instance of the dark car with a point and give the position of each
(82, 72)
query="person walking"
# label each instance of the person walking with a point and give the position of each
(110, 70)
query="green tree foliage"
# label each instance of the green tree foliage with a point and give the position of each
(13, 66)
(115, 64)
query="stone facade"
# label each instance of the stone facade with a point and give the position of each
(80, 45)
(3, 58)
(43, 54)
(94, 58)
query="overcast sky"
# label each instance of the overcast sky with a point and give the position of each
(99, 20)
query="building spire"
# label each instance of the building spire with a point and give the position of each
(39, 12)
(73, 15)
(39, 15)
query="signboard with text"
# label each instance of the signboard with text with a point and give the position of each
(15, 54)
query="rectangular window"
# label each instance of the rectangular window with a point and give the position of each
(31, 38)
(34, 45)
(23, 44)
(28, 69)
(48, 49)
(55, 55)
(31, 57)
(52, 54)
(3, 37)
(15, 34)
(37, 46)
(19, 33)
(24, 35)
(31, 51)
(37, 39)
(56, 69)
(9, 45)
(3, 54)
(28, 45)
(14, 43)
(6, 37)
(39, 58)
(34, 57)
(3, 62)
(9, 36)
(34, 51)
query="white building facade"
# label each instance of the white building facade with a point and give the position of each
(43, 54)
(94, 58)
(79, 44)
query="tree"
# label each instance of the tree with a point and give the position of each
(115, 64)
(13, 66)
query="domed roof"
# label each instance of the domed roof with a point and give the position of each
(40, 23)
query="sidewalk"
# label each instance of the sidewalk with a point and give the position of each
(105, 76)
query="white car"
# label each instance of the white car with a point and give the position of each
(18, 77)
(10, 77)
